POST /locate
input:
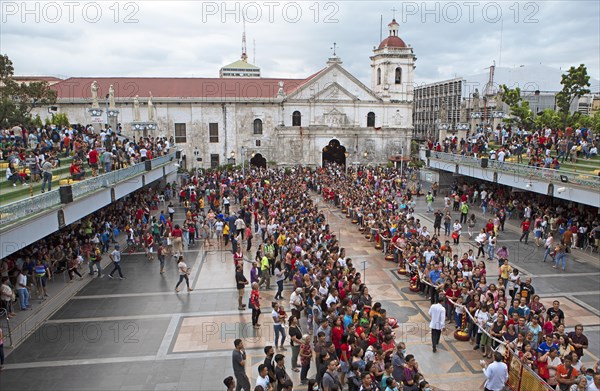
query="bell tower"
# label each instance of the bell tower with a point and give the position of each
(392, 67)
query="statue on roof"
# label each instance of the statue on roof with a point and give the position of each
(94, 88)
(150, 109)
(443, 111)
(475, 105)
(111, 97)
(463, 111)
(499, 100)
(136, 109)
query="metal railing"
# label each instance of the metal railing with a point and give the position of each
(546, 174)
(29, 206)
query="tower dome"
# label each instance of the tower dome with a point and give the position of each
(393, 40)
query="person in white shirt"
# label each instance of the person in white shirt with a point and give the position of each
(263, 377)
(437, 312)
(501, 156)
(496, 374)
(428, 254)
(594, 385)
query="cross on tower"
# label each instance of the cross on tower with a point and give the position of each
(394, 12)
(333, 48)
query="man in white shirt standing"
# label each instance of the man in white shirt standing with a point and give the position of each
(496, 374)
(437, 312)
(263, 377)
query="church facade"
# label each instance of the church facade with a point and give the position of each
(327, 116)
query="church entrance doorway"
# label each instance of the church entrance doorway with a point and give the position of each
(334, 153)
(258, 161)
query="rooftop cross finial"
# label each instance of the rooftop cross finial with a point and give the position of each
(394, 12)
(333, 48)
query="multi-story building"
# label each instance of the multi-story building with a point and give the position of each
(428, 101)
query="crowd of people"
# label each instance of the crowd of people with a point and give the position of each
(545, 148)
(457, 278)
(334, 323)
(33, 154)
(27, 272)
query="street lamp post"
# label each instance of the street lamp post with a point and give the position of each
(107, 117)
(231, 160)
(243, 161)
(401, 158)
(346, 154)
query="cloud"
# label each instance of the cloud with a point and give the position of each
(293, 39)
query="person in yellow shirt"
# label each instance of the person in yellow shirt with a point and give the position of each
(281, 239)
(505, 270)
(265, 270)
(226, 233)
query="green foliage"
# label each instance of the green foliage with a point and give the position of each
(520, 112)
(414, 148)
(47, 122)
(17, 100)
(418, 163)
(549, 118)
(37, 121)
(60, 120)
(575, 83)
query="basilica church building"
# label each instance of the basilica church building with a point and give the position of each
(327, 116)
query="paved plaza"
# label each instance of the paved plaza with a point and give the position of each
(138, 334)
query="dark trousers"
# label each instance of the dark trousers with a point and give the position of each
(435, 337)
(181, 278)
(304, 371)
(525, 236)
(73, 271)
(47, 178)
(255, 315)
(117, 267)
(242, 383)
(480, 250)
(279, 289)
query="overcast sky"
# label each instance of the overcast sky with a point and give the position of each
(293, 39)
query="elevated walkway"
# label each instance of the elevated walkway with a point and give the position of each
(572, 186)
(25, 221)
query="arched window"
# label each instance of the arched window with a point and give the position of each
(398, 78)
(371, 120)
(257, 126)
(296, 118)
(378, 76)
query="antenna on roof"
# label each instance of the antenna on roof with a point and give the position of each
(253, 51)
(244, 55)
(381, 29)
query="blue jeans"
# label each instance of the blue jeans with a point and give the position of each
(547, 252)
(24, 298)
(560, 257)
(490, 250)
(279, 330)
(98, 267)
(47, 178)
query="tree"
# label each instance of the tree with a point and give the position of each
(61, 120)
(17, 100)
(548, 118)
(520, 113)
(575, 83)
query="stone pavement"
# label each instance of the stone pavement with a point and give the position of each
(138, 334)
